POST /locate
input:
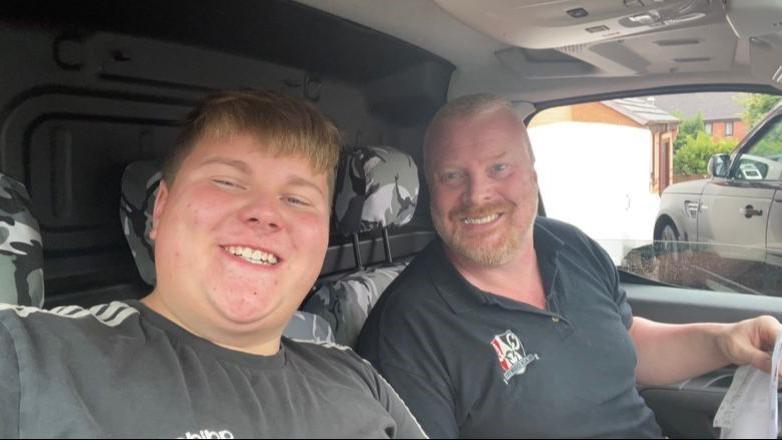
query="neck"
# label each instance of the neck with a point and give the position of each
(518, 279)
(252, 342)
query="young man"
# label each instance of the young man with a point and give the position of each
(515, 326)
(241, 229)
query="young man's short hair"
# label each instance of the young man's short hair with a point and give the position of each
(286, 125)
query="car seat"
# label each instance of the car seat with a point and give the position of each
(377, 189)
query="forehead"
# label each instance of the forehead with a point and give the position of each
(253, 157)
(244, 148)
(483, 137)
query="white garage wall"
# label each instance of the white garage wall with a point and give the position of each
(597, 177)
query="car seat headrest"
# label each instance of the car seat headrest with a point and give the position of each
(377, 187)
(21, 248)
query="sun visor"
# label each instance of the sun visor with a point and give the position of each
(765, 55)
(755, 18)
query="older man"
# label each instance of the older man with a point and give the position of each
(241, 229)
(511, 325)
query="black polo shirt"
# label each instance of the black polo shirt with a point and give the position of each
(472, 364)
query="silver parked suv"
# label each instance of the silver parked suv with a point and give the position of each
(739, 204)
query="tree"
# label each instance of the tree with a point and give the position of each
(688, 128)
(756, 105)
(693, 157)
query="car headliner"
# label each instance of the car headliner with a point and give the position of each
(635, 62)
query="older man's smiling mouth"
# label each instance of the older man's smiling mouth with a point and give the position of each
(481, 220)
(251, 255)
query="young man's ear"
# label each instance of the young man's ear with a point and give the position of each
(160, 205)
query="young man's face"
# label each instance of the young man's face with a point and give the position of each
(240, 236)
(483, 186)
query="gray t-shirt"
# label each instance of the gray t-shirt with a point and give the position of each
(122, 370)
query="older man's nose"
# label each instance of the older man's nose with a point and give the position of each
(478, 191)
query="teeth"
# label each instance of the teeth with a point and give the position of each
(481, 220)
(251, 255)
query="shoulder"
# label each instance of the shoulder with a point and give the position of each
(566, 232)
(330, 359)
(578, 244)
(412, 284)
(320, 351)
(25, 320)
(413, 290)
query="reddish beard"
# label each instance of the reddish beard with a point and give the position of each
(476, 247)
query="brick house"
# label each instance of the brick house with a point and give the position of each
(721, 111)
(632, 112)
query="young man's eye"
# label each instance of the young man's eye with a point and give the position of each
(293, 200)
(225, 183)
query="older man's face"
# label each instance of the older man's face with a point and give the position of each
(483, 186)
(240, 236)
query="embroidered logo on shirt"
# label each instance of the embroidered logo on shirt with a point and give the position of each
(513, 359)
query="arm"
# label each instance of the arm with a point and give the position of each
(431, 406)
(669, 353)
(10, 390)
(406, 424)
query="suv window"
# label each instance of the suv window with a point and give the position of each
(763, 159)
(633, 174)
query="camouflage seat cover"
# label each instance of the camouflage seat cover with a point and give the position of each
(346, 302)
(139, 189)
(21, 248)
(377, 187)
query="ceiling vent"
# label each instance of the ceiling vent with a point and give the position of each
(573, 49)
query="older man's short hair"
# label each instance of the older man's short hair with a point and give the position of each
(464, 107)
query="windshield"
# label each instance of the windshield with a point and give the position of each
(681, 189)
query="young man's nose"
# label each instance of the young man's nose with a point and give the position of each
(263, 213)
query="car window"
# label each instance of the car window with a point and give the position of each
(636, 179)
(763, 159)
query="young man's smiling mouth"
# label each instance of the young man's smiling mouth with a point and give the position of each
(253, 255)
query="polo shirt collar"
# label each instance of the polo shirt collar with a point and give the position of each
(461, 296)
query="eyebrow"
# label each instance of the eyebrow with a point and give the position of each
(300, 181)
(448, 166)
(240, 165)
(498, 156)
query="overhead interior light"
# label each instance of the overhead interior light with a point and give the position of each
(577, 13)
(596, 29)
(645, 18)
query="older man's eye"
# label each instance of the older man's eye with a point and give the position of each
(451, 176)
(500, 168)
